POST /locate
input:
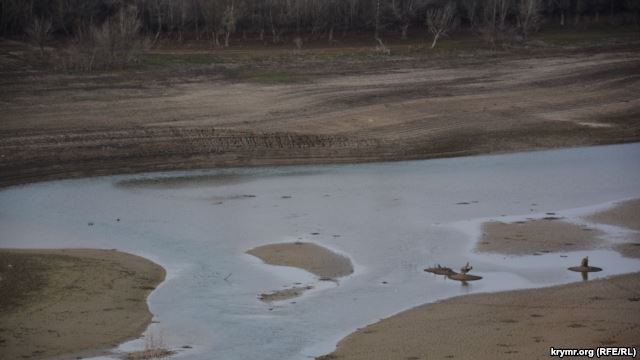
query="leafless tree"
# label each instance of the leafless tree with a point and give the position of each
(377, 20)
(297, 41)
(562, 6)
(381, 48)
(503, 9)
(634, 7)
(218, 20)
(114, 44)
(472, 9)
(495, 27)
(229, 21)
(529, 12)
(39, 33)
(403, 11)
(440, 20)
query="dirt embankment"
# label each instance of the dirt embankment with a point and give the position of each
(58, 302)
(58, 126)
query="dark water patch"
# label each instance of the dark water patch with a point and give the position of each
(203, 180)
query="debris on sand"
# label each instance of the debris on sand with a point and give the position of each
(440, 270)
(584, 266)
(464, 277)
(284, 294)
(448, 272)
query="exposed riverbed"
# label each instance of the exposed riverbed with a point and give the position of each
(390, 219)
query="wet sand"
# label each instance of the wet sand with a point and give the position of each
(523, 323)
(625, 214)
(511, 325)
(631, 249)
(55, 302)
(537, 236)
(310, 257)
(552, 234)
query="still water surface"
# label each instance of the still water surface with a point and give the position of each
(391, 219)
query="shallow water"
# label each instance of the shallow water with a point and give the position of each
(391, 219)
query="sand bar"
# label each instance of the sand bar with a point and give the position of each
(625, 214)
(509, 325)
(284, 294)
(631, 250)
(310, 257)
(537, 236)
(55, 302)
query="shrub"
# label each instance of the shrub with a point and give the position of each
(115, 44)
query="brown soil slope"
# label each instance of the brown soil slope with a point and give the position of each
(58, 126)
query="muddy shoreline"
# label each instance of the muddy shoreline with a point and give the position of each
(79, 163)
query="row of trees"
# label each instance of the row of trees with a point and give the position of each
(276, 20)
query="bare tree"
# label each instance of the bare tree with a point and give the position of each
(297, 41)
(495, 25)
(503, 8)
(634, 7)
(529, 16)
(472, 9)
(114, 44)
(403, 11)
(159, 7)
(119, 38)
(562, 7)
(229, 20)
(377, 20)
(499, 20)
(440, 20)
(39, 32)
(381, 48)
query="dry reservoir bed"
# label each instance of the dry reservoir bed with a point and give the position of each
(403, 108)
(391, 219)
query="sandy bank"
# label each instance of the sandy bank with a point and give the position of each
(517, 324)
(552, 234)
(55, 302)
(626, 214)
(310, 257)
(537, 236)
